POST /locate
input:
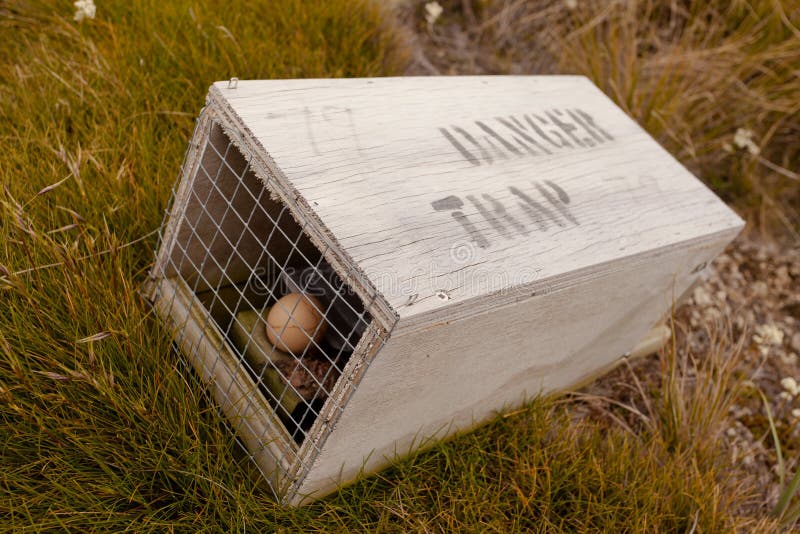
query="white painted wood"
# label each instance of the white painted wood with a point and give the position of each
(652, 342)
(448, 378)
(232, 388)
(497, 262)
(370, 158)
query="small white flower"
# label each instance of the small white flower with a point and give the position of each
(432, 12)
(791, 386)
(796, 413)
(84, 9)
(768, 334)
(702, 297)
(789, 359)
(571, 4)
(743, 138)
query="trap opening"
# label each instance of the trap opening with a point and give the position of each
(270, 322)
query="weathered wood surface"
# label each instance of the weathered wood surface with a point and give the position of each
(232, 388)
(444, 191)
(450, 377)
(518, 234)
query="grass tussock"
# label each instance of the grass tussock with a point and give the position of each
(691, 72)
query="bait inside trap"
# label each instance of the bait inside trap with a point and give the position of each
(359, 268)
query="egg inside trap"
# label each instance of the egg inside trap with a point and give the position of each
(296, 385)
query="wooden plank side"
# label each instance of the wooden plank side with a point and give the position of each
(450, 377)
(448, 190)
(243, 404)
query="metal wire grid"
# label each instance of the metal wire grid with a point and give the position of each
(312, 374)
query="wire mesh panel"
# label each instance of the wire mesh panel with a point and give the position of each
(256, 307)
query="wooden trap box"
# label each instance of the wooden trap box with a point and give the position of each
(469, 243)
